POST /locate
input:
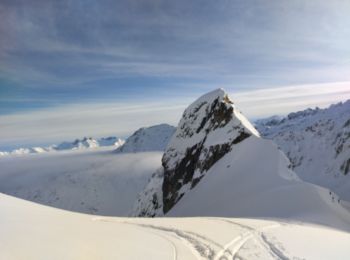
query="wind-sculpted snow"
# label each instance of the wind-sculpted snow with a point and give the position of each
(146, 139)
(31, 231)
(317, 142)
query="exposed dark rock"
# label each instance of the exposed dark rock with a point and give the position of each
(200, 157)
(345, 167)
(208, 130)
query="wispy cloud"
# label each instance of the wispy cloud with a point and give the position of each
(66, 44)
(80, 64)
(121, 119)
(282, 100)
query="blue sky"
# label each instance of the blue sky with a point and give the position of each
(56, 55)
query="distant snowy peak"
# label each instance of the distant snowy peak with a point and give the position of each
(85, 143)
(208, 129)
(77, 144)
(21, 151)
(317, 142)
(110, 141)
(154, 138)
(88, 142)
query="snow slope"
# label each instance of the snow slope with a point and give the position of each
(216, 164)
(145, 139)
(78, 144)
(262, 187)
(32, 231)
(94, 181)
(317, 142)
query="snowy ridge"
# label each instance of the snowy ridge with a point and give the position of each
(317, 142)
(208, 129)
(86, 142)
(216, 164)
(154, 138)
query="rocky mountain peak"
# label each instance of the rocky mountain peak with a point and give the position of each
(209, 129)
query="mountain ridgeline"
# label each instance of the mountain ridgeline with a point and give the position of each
(209, 128)
(317, 142)
(148, 139)
(195, 146)
(77, 144)
(216, 164)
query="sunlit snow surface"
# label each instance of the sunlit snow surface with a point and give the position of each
(33, 231)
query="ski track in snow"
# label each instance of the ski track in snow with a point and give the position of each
(192, 241)
(186, 240)
(202, 247)
(232, 248)
(199, 249)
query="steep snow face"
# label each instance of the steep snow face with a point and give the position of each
(150, 202)
(317, 142)
(154, 138)
(254, 181)
(210, 128)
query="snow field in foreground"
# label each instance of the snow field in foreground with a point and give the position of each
(41, 232)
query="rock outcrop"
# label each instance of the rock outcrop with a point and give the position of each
(209, 128)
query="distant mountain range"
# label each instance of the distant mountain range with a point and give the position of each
(145, 139)
(84, 143)
(317, 142)
(252, 200)
(215, 157)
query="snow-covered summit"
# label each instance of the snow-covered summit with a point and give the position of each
(208, 129)
(86, 142)
(146, 139)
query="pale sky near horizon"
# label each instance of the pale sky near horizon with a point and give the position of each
(72, 68)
